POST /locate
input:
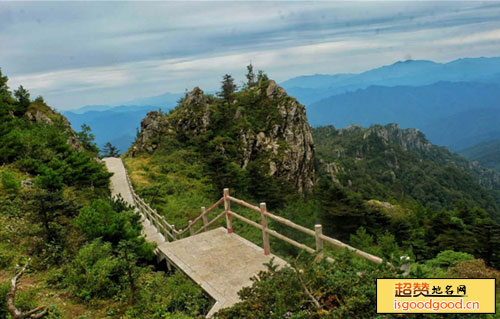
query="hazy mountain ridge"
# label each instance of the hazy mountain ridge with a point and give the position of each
(402, 73)
(444, 85)
(117, 125)
(454, 114)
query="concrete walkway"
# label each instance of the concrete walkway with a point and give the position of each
(221, 263)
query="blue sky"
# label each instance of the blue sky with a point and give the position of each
(78, 53)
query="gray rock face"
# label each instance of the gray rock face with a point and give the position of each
(290, 143)
(37, 116)
(407, 139)
(194, 113)
(287, 142)
(153, 126)
(296, 161)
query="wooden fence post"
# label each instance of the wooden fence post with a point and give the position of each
(174, 233)
(265, 235)
(204, 218)
(191, 231)
(318, 229)
(227, 208)
(164, 223)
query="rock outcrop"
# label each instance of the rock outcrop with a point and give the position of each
(283, 136)
(408, 139)
(153, 126)
(40, 113)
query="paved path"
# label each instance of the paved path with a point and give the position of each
(219, 262)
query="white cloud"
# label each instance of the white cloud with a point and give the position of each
(81, 53)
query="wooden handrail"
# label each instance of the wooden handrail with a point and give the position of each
(243, 203)
(290, 224)
(163, 226)
(289, 240)
(246, 220)
(317, 233)
(358, 252)
(208, 211)
(211, 222)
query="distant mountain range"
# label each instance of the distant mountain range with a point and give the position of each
(118, 124)
(312, 88)
(456, 115)
(456, 104)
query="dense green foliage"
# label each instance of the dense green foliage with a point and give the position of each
(191, 165)
(88, 255)
(424, 196)
(88, 248)
(384, 199)
(291, 293)
(344, 289)
(380, 167)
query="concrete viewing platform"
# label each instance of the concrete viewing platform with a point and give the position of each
(220, 262)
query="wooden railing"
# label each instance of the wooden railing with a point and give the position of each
(158, 221)
(169, 230)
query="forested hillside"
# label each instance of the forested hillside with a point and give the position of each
(243, 139)
(88, 258)
(392, 164)
(384, 190)
(430, 198)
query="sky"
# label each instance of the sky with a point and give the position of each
(93, 53)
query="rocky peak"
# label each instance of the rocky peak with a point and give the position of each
(153, 126)
(196, 96)
(408, 139)
(39, 112)
(274, 91)
(193, 115)
(283, 139)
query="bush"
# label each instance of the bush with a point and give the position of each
(10, 183)
(4, 288)
(339, 288)
(475, 268)
(168, 297)
(112, 221)
(95, 272)
(6, 256)
(449, 258)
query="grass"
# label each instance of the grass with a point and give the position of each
(171, 183)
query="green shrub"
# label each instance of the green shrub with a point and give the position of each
(343, 290)
(4, 288)
(448, 258)
(112, 221)
(475, 268)
(26, 299)
(6, 256)
(168, 297)
(10, 182)
(95, 272)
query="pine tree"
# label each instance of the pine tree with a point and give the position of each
(227, 89)
(87, 139)
(110, 150)
(250, 76)
(23, 100)
(4, 89)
